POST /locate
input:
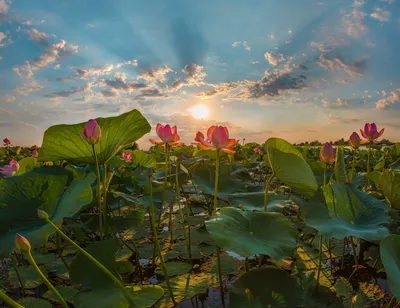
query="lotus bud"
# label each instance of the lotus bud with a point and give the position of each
(35, 153)
(355, 140)
(327, 154)
(6, 142)
(42, 214)
(22, 244)
(92, 132)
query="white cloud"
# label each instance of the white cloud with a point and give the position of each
(336, 104)
(386, 102)
(28, 88)
(4, 6)
(353, 21)
(381, 14)
(273, 59)
(154, 75)
(245, 45)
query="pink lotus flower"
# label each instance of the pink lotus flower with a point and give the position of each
(6, 142)
(327, 154)
(258, 150)
(35, 153)
(10, 169)
(92, 132)
(127, 157)
(22, 243)
(168, 135)
(371, 132)
(355, 140)
(217, 139)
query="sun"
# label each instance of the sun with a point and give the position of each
(199, 111)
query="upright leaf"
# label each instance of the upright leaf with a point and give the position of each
(340, 166)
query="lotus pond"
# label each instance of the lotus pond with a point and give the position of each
(89, 220)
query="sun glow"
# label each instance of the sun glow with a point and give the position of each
(199, 111)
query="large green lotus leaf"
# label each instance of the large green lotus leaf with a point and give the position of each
(131, 297)
(349, 212)
(67, 292)
(255, 201)
(34, 302)
(65, 142)
(84, 271)
(26, 164)
(340, 166)
(269, 287)
(390, 184)
(44, 188)
(227, 184)
(30, 278)
(249, 233)
(174, 268)
(289, 166)
(390, 255)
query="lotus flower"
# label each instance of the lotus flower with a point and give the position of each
(371, 132)
(92, 132)
(258, 150)
(22, 243)
(355, 140)
(10, 169)
(127, 157)
(217, 139)
(35, 153)
(327, 154)
(6, 142)
(167, 134)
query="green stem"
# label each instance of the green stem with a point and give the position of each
(221, 286)
(105, 210)
(98, 192)
(58, 243)
(178, 201)
(330, 254)
(248, 294)
(343, 253)
(321, 237)
(368, 167)
(324, 174)
(266, 192)
(9, 301)
(246, 264)
(189, 231)
(390, 304)
(353, 165)
(157, 243)
(214, 210)
(86, 254)
(355, 257)
(46, 282)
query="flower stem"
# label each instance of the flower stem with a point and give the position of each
(98, 192)
(46, 282)
(214, 209)
(105, 211)
(9, 301)
(324, 174)
(353, 165)
(58, 243)
(355, 257)
(178, 201)
(321, 237)
(86, 254)
(18, 275)
(221, 285)
(266, 192)
(157, 243)
(390, 304)
(368, 167)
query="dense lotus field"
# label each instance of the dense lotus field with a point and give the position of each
(89, 220)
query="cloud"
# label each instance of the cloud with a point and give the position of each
(331, 62)
(72, 91)
(111, 93)
(7, 99)
(193, 76)
(28, 88)
(40, 38)
(4, 39)
(4, 6)
(388, 101)
(120, 83)
(353, 21)
(381, 14)
(154, 75)
(244, 44)
(336, 104)
(273, 59)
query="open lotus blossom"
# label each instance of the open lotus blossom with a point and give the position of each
(258, 150)
(127, 157)
(92, 132)
(217, 139)
(10, 169)
(370, 132)
(355, 140)
(167, 134)
(327, 154)
(6, 142)
(35, 153)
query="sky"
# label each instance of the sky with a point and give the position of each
(299, 70)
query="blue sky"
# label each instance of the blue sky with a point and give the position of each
(300, 70)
